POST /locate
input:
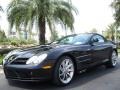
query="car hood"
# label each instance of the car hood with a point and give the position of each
(31, 51)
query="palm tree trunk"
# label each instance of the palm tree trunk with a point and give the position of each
(42, 30)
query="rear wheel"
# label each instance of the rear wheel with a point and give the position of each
(113, 60)
(64, 71)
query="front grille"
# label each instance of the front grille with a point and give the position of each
(17, 74)
(20, 61)
(10, 73)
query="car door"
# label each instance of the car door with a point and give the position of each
(99, 49)
(84, 56)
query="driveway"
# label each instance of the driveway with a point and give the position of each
(99, 78)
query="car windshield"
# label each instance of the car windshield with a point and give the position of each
(75, 39)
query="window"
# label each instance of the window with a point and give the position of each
(75, 39)
(99, 39)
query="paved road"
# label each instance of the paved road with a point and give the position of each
(99, 78)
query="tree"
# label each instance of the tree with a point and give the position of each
(54, 36)
(1, 8)
(41, 12)
(94, 30)
(111, 31)
(116, 6)
(2, 36)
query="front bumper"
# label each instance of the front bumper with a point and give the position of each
(27, 73)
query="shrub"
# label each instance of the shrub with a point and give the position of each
(19, 42)
(2, 36)
(14, 41)
(31, 41)
(1, 59)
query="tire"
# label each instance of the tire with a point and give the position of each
(112, 60)
(64, 71)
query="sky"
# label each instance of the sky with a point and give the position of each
(92, 14)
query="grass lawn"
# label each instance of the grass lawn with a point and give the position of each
(1, 58)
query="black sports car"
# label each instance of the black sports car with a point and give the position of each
(60, 60)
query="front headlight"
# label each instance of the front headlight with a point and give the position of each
(35, 60)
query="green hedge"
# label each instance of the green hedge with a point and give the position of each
(1, 59)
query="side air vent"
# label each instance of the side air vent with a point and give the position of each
(20, 61)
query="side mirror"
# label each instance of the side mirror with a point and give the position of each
(94, 41)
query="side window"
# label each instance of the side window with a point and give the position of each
(67, 40)
(98, 39)
(101, 39)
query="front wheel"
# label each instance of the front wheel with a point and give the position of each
(64, 71)
(113, 60)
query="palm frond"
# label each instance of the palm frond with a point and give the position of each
(1, 9)
(28, 12)
(116, 5)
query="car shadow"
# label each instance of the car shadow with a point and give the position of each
(78, 81)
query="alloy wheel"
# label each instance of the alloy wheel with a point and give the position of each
(114, 58)
(66, 71)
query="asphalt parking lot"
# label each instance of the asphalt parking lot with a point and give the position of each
(99, 78)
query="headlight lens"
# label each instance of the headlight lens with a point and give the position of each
(35, 60)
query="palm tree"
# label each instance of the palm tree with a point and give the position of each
(1, 8)
(16, 15)
(111, 32)
(94, 30)
(116, 6)
(54, 36)
(41, 12)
